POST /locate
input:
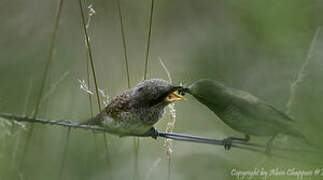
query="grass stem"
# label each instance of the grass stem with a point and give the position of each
(301, 73)
(67, 139)
(124, 42)
(135, 140)
(149, 37)
(88, 45)
(44, 78)
(90, 56)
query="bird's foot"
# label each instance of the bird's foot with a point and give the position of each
(153, 132)
(227, 142)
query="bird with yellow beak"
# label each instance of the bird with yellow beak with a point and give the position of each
(135, 111)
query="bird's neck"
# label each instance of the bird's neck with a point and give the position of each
(218, 97)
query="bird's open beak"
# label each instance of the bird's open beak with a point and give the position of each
(172, 97)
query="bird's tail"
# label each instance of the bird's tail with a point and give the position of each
(299, 135)
(306, 140)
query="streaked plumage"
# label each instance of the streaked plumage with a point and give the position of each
(135, 111)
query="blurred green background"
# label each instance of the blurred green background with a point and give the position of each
(255, 45)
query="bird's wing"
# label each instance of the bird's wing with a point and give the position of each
(254, 108)
(117, 105)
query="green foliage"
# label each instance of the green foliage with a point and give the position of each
(257, 46)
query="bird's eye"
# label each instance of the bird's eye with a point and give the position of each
(181, 91)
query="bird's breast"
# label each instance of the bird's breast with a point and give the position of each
(134, 122)
(150, 117)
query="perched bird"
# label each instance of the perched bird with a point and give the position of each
(135, 111)
(243, 112)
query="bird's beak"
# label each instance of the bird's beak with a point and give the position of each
(173, 96)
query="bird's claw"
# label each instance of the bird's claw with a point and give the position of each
(153, 132)
(227, 142)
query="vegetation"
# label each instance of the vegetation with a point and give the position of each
(258, 46)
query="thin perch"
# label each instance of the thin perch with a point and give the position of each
(180, 137)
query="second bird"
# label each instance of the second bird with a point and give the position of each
(243, 112)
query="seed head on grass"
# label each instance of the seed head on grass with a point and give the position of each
(169, 129)
(172, 115)
(84, 87)
(105, 97)
(91, 14)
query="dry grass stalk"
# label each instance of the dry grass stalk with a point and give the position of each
(170, 124)
(45, 74)
(301, 73)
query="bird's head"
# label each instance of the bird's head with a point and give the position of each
(155, 92)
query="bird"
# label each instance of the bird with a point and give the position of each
(243, 112)
(135, 111)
